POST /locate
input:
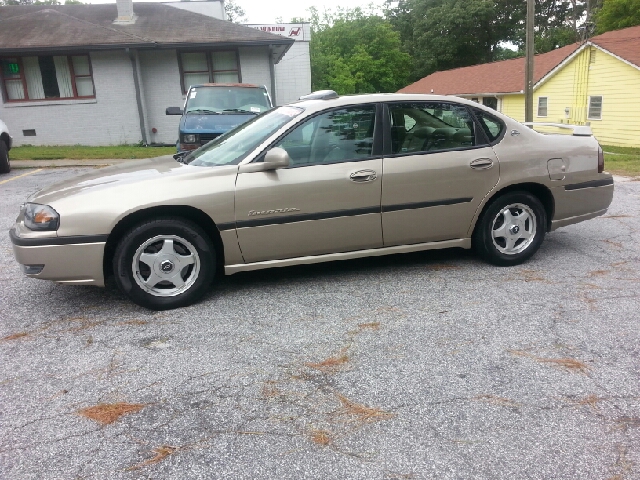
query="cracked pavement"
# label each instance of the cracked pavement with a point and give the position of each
(431, 365)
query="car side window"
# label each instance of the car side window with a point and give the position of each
(492, 127)
(340, 135)
(430, 126)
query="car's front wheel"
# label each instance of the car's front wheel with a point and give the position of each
(164, 263)
(511, 229)
(5, 166)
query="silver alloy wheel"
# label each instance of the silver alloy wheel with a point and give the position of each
(166, 265)
(513, 229)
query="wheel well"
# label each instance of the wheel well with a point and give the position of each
(198, 217)
(541, 192)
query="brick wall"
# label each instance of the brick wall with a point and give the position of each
(293, 74)
(110, 119)
(254, 65)
(161, 88)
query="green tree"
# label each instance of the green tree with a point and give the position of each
(617, 14)
(354, 52)
(445, 34)
(234, 12)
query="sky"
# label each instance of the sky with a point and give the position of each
(261, 11)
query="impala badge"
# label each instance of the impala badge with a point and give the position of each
(270, 212)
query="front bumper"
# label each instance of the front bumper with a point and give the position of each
(75, 260)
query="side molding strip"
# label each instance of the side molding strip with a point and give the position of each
(414, 206)
(592, 183)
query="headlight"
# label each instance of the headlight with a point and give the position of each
(40, 217)
(189, 138)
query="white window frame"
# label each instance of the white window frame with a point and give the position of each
(546, 107)
(589, 117)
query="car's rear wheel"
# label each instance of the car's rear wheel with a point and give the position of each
(5, 165)
(511, 229)
(164, 263)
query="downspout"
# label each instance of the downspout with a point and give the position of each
(133, 56)
(272, 72)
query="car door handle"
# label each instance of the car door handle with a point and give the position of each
(363, 176)
(481, 163)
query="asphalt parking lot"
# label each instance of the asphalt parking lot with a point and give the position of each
(423, 366)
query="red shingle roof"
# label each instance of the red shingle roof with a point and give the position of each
(507, 76)
(624, 43)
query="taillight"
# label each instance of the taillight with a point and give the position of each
(600, 160)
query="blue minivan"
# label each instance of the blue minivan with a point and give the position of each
(212, 109)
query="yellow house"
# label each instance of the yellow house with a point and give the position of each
(594, 83)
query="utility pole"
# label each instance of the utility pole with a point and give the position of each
(528, 73)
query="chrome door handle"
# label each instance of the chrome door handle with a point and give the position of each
(363, 176)
(481, 163)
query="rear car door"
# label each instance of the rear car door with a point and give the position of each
(438, 166)
(327, 201)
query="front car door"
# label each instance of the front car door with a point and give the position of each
(327, 201)
(438, 166)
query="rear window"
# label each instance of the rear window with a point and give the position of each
(491, 126)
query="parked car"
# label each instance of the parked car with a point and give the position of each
(215, 108)
(326, 178)
(5, 145)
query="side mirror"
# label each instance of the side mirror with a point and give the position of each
(180, 156)
(275, 158)
(173, 111)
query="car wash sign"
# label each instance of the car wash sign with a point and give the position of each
(300, 32)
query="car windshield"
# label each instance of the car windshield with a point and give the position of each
(232, 147)
(214, 100)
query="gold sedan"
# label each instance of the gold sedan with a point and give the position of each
(327, 178)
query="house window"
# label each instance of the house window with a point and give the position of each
(47, 77)
(209, 67)
(542, 106)
(595, 108)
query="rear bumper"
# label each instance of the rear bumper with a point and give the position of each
(581, 201)
(75, 263)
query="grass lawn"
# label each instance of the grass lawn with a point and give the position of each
(622, 160)
(78, 152)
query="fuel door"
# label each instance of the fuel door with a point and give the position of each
(556, 168)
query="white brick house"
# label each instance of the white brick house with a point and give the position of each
(97, 75)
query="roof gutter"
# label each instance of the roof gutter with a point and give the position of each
(141, 45)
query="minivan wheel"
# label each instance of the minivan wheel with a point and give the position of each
(511, 229)
(164, 263)
(5, 165)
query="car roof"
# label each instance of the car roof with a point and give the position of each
(314, 105)
(242, 85)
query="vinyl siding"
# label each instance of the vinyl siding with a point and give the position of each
(617, 82)
(513, 106)
(619, 85)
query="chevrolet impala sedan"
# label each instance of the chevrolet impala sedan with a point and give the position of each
(326, 178)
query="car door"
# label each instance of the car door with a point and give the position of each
(327, 200)
(438, 167)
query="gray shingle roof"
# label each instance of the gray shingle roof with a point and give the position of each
(48, 27)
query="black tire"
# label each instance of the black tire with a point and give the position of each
(523, 232)
(5, 165)
(169, 244)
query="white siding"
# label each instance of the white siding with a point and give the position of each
(110, 119)
(161, 89)
(293, 74)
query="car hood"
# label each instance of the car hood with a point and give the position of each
(193, 123)
(128, 178)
